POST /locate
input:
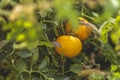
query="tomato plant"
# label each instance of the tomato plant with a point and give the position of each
(85, 34)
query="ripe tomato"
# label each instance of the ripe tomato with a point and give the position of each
(70, 46)
(83, 31)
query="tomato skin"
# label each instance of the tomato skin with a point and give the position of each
(70, 46)
(82, 31)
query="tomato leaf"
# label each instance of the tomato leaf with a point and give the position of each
(35, 55)
(105, 29)
(20, 64)
(76, 68)
(24, 53)
(3, 43)
(43, 64)
(35, 78)
(46, 43)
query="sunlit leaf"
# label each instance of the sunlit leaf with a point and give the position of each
(114, 67)
(46, 43)
(115, 3)
(115, 34)
(117, 75)
(95, 14)
(105, 29)
(27, 24)
(20, 37)
(20, 46)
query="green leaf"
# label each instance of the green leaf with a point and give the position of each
(110, 53)
(61, 77)
(3, 43)
(76, 68)
(95, 14)
(115, 3)
(56, 76)
(1, 77)
(19, 77)
(2, 20)
(10, 76)
(3, 3)
(51, 79)
(46, 43)
(35, 78)
(115, 34)
(35, 55)
(78, 78)
(43, 64)
(114, 67)
(116, 74)
(20, 64)
(62, 11)
(50, 72)
(24, 53)
(96, 76)
(105, 29)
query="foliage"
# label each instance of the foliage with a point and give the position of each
(29, 28)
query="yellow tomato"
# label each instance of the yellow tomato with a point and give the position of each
(70, 46)
(83, 31)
